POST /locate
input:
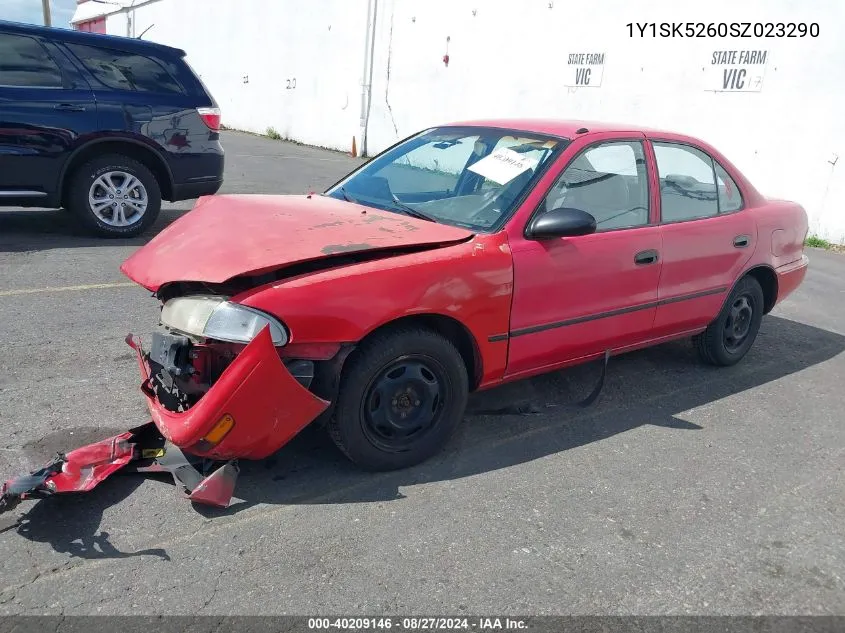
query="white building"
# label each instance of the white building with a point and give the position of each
(325, 72)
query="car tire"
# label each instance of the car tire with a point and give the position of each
(100, 179)
(401, 395)
(729, 337)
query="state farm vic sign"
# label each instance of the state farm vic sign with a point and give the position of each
(584, 70)
(737, 71)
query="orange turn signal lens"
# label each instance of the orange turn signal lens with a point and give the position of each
(218, 431)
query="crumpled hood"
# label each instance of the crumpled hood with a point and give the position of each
(225, 236)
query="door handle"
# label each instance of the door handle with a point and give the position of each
(646, 257)
(69, 107)
(741, 241)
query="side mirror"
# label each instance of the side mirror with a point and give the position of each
(561, 222)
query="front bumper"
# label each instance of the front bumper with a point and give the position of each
(268, 405)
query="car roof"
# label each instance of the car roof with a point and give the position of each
(566, 128)
(569, 128)
(128, 44)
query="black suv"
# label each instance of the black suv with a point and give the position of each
(104, 126)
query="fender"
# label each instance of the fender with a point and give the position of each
(114, 137)
(470, 282)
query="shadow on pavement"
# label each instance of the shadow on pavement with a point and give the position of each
(28, 230)
(71, 525)
(651, 387)
(538, 418)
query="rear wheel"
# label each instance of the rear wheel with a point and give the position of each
(114, 196)
(402, 393)
(727, 339)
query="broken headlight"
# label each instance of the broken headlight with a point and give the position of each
(214, 317)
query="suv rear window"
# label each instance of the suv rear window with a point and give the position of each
(24, 62)
(126, 71)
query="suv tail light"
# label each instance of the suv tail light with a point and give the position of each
(211, 117)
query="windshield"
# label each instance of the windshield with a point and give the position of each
(465, 176)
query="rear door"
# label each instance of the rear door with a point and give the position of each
(45, 106)
(151, 93)
(707, 236)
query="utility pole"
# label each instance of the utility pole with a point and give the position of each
(45, 5)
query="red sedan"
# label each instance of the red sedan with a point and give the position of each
(462, 257)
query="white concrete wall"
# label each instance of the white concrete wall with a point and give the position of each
(509, 58)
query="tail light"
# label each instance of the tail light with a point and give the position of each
(211, 117)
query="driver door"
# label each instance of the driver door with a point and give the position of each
(575, 297)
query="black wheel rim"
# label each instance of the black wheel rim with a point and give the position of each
(404, 402)
(738, 323)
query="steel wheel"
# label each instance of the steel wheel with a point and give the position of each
(118, 198)
(402, 392)
(404, 402)
(732, 333)
(738, 323)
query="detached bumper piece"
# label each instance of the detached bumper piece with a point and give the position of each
(141, 450)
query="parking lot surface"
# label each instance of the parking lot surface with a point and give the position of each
(683, 489)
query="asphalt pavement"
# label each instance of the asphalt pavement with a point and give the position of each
(685, 489)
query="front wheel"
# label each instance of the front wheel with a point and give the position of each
(401, 395)
(727, 339)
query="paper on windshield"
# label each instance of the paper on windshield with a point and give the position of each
(503, 165)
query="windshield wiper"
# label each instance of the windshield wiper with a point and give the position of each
(346, 196)
(411, 211)
(401, 206)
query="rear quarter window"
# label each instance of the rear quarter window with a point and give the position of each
(730, 199)
(121, 70)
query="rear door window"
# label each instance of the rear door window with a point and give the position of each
(121, 70)
(25, 63)
(687, 183)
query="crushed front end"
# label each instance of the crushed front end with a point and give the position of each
(218, 388)
(224, 400)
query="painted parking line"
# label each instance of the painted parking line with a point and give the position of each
(31, 291)
(318, 158)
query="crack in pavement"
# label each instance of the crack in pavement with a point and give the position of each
(214, 590)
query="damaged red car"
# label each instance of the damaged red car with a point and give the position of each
(462, 257)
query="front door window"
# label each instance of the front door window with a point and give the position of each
(608, 181)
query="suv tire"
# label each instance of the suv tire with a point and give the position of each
(114, 196)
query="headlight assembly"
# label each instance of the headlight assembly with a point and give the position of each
(214, 317)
